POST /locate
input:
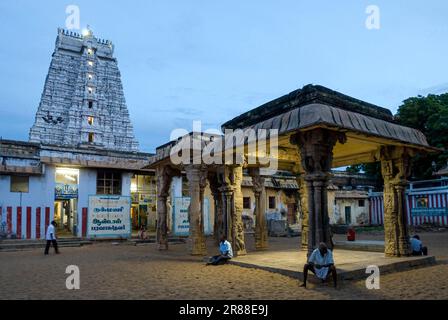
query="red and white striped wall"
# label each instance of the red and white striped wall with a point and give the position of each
(32, 222)
(26, 222)
(435, 200)
(376, 209)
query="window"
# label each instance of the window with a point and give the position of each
(90, 120)
(89, 52)
(90, 63)
(246, 203)
(108, 182)
(90, 104)
(272, 203)
(90, 76)
(361, 203)
(91, 137)
(20, 184)
(90, 90)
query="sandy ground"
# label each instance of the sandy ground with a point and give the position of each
(141, 272)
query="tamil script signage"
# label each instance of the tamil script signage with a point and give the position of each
(109, 217)
(181, 224)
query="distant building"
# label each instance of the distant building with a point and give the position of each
(426, 203)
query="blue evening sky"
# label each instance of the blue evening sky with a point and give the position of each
(185, 60)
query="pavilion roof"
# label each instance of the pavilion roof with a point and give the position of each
(314, 106)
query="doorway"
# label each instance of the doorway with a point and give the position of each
(65, 215)
(348, 215)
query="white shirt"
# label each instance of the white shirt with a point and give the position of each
(50, 231)
(317, 259)
(226, 247)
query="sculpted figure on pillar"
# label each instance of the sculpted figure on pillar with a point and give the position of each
(316, 154)
(231, 179)
(395, 168)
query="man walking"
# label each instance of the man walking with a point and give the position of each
(51, 238)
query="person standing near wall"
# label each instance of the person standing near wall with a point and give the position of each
(51, 238)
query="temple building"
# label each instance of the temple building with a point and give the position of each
(82, 160)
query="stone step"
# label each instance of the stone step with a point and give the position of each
(361, 245)
(18, 246)
(152, 239)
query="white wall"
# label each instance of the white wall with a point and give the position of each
(86, 188)
(41, 194)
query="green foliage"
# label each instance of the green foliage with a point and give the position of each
(429, 115)
(371, 169)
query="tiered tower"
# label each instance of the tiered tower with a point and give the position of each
(83, 103)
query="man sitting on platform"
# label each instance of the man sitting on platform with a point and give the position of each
(321, 263)
(417, 247)
(225, 248)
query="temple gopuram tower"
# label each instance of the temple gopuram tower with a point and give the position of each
(83, 104)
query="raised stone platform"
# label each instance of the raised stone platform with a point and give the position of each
(350, 264)
(361, 245)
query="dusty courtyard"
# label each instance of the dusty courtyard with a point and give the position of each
(111, 271)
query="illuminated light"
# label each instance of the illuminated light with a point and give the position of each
(90, 77)
(86, 32)
(133, 187)
(90, 63)
(67, 171)
(90, 120)
(90, 90)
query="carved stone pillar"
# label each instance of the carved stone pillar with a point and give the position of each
(233, 207)
(237, 216)
(164, 177)
(218, 227)
(261, 230)
(196, 239)
(316, 154)
(303, 207)
(395, 168)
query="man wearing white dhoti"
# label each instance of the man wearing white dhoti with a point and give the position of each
(321, 263)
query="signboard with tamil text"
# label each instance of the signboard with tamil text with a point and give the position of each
(109, 217)
(181, 224)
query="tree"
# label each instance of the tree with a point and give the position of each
(430, 116)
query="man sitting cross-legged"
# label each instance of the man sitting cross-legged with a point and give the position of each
(321, 264)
